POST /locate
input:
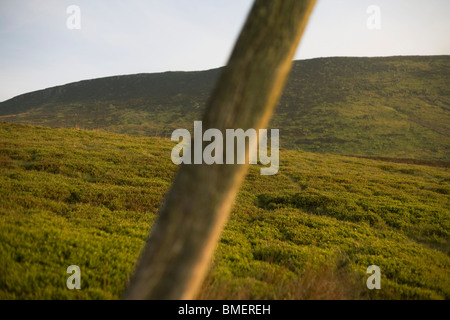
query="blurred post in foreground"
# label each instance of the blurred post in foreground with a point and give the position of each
(181, 244)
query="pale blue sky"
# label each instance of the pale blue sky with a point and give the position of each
(124, 37)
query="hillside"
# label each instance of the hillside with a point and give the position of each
(389, 107)
(88, 198)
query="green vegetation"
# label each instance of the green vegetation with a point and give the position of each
(389, 106)
(88, 198)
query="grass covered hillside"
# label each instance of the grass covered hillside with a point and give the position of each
(387, 106)
(88, 198)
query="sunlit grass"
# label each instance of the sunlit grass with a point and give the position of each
(310, 232)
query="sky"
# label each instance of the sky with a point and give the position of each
(42, 44)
